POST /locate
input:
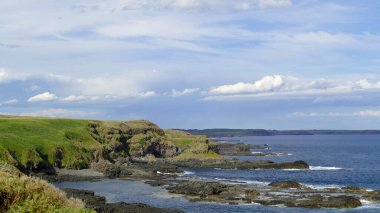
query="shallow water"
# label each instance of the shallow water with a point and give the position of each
(336, 160)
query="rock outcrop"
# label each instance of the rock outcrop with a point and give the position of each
(286, 184)
(202, 189)
(131, 139)
(227, 163)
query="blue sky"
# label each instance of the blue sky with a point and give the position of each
(275, 64)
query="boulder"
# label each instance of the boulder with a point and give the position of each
(198, 188)
(286, 184)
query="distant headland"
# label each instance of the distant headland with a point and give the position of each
(221, 132)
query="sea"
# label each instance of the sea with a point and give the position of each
(335, 161)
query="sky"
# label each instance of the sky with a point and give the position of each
(273, 64)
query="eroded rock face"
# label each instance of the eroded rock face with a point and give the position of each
(131, 139)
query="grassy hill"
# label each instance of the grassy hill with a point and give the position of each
(37, 143)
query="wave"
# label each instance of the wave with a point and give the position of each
(322, 168)
(188, 173)
(317, 168)
(238, 181)
(323, 186)
(271, 154)
(369, 204)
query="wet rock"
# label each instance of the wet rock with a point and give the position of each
(227, 163)
(332, 202)
(251, 194)
(373, 195)
(315, 201)
(353, 189)
(286, 184)
(90, 199)
(198, 188)
(156, 183)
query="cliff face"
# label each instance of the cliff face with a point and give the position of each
(132, 139)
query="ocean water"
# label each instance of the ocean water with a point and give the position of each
(336, 160)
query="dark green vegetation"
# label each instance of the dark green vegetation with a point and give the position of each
(263, 132)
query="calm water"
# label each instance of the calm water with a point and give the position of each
(336, 160)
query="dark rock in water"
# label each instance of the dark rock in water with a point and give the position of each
(354, 189)
(316, 201)
(286, 184)
(373, 195)
(156, 182)
(227, 163)
(265, 146)
(98, 203)
(332, 202)
(90, 199)
(198, 188)
(251, 194)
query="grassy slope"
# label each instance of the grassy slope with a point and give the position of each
(192, 146)
(32, 141)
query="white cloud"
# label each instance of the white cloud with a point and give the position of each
(9, 102)
(202, 4)
(364, 113)
(274, 3)
(73, 98)
(7, 76)
(146, 94)
(266, 84)
(47, 96)
(272, 87)
(57, 112)
(186, 91)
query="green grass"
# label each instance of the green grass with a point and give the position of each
(32, 142)
(192, 146)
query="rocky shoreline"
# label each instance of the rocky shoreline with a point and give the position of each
(166, 173)
(98, 203)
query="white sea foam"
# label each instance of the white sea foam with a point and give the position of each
(293, 169)
(188, 173)
(369, 205)
(322, 186)
(238, 181)
(163, 173)
(322, 168)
